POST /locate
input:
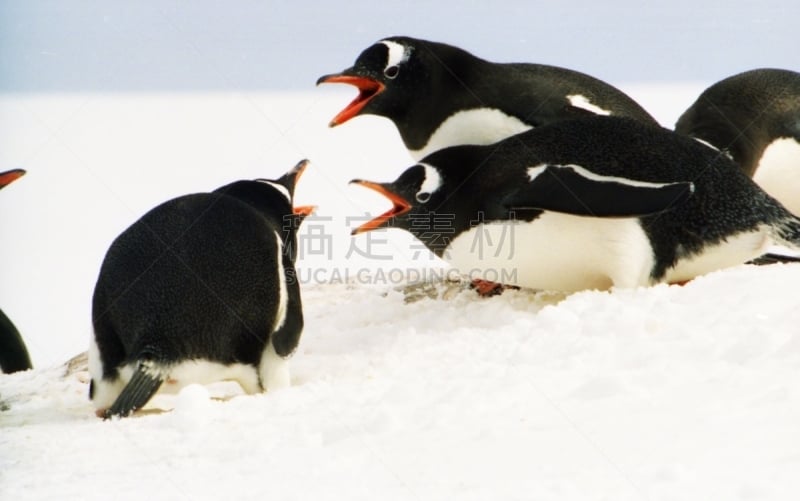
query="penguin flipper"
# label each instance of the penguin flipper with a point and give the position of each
(572, 189)
(144, 383)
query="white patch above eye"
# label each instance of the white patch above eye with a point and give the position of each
(534, 172)
(432, 180)
(398, 53)
(476, 126)
(281, 188)
(582, 102)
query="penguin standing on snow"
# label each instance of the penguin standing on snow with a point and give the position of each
(202, 288)
(438, 95)
(755, 118)
(13, 353)
(586, 204)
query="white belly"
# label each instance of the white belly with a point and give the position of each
(733, 251)
(556, 252)
(778, 172)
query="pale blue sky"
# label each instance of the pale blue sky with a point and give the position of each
(146, 45)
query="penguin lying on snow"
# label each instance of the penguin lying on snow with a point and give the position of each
(13, 353)
(439, 95)
(202, 288)
(755, 118)
(586, 204)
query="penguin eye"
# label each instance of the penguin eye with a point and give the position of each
(391, 71)
(423, 197)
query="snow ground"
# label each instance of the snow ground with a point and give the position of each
(659, 393)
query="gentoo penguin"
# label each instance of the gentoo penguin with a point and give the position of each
(13, 353)
(439, 95)
(755, 118)
(585, 204)
(202, 288)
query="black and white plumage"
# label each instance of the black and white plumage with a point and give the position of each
(13, 353)
(202, 288)
(439, 95)
(755, 118)
(586, 204)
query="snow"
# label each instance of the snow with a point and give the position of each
(655, 393)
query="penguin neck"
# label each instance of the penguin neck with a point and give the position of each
(476, 126)
(456, 107)
(268, 202)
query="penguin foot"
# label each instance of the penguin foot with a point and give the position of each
(485, 288)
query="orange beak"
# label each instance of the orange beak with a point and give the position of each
(10, 176)
(367, 89)
(399, 206)
(302, 210)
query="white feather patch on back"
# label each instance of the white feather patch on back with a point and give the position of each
(778, 172)
(534, 172)
(582, 102)
(706, 143)
(476, 126)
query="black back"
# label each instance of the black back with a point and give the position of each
(439, 80)
(744, 113)
(198, 277)
(13, 353)
(479, 181)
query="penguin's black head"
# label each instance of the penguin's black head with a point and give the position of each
(9, 176)
(273, 196)
(415, 192)
(386, 75)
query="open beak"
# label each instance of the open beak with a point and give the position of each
(367, 89)
(399, 206)
(297, 171)
(304, 210)
(10, 176)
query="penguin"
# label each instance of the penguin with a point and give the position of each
(202, 288)
(593, 203)
(14, 355)
(438, 95)
(754, 117)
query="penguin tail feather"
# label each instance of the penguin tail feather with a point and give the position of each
(145, 382)
(787, 232)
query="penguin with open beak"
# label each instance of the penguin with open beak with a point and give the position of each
(202, 288)
(439, 95)
(587, 204)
